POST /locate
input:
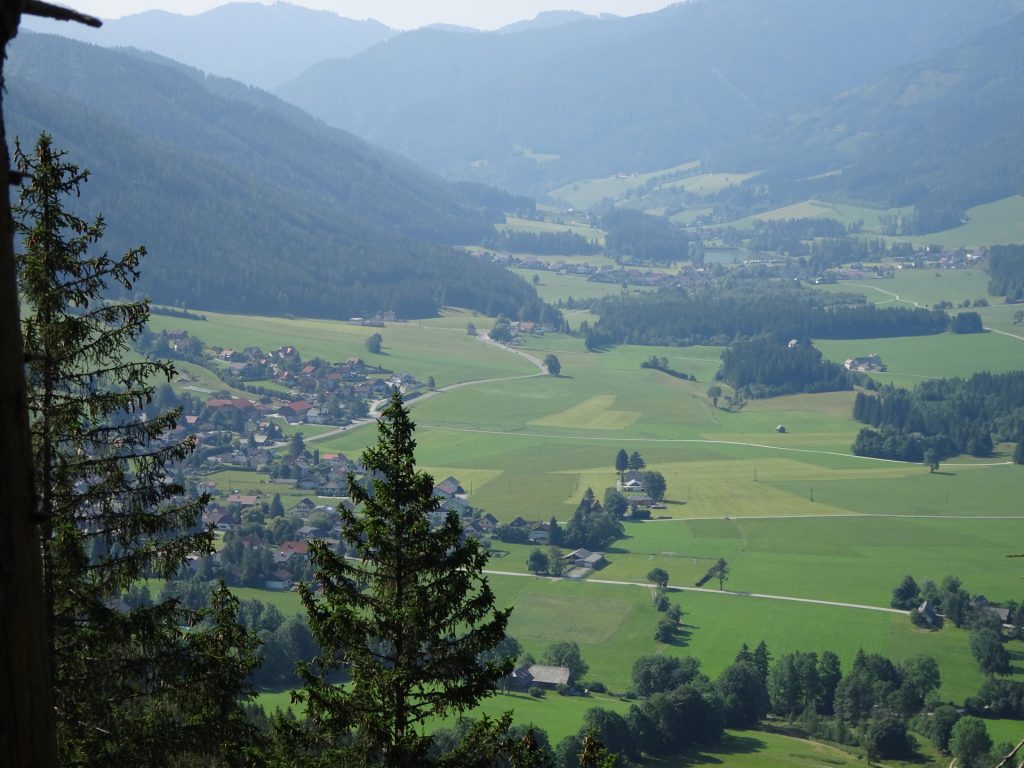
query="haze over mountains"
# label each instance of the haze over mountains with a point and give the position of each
(258, 44)
(914, 103)
(532, 110)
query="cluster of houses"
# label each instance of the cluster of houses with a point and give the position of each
(631, 485)
(865, 364)
(930, 617)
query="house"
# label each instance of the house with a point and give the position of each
(632, 485)
(252, 541)
(223, 403)
(227, 521)
(584, 558)
(461, 507)
(246, 500)
(487, 522)
(307, 532)
(518, 523)
(306, 505)
(296, 410)
(981, 603)
(867, 363)
(449, 487)
(292, 549)
(543, 676)
(928, 615)
(632, 475)
(279, 579)
(539, 535)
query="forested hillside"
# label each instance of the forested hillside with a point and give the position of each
(889, 141)
(246, 203)
(542, 107)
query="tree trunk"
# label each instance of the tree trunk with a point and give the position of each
(27, 724)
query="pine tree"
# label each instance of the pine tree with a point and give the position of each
(408, 621)
(129, 685)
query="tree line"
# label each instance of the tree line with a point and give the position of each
(1006, 272)
(744, 309)
(947, 416)
(634, 236)
(563, 243)
(765, 367)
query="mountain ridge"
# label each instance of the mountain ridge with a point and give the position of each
(228, 186)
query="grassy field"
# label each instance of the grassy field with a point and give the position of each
(820, 209)
(553, 286)
(548, 226)
(995, 223)
(998, 223)
(794, 514)
(583, 194)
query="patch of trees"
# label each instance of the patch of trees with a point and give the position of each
(792, 235)
(563, 243)
(766, 367)
(591, 527)
(966, 322)
(947, 416)
(634, 236)
(1006, 272)
(743, 309)
(661, 364)
(545, 562)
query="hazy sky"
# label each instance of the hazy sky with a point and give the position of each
(401, 14)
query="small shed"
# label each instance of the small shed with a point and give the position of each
(781, 429)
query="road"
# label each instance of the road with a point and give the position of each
(378, 405)
(897, 297)
(723, 593)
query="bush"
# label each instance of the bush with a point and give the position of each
(537, 693)
(597, 687)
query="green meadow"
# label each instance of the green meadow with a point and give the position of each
(583, 194)
(794, 513)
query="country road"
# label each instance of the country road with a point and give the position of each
(377, 406)
(897, 297)
(724, 593)
(600, 438)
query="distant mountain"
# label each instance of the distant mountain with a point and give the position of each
(533, 109)
(258, 44)
(944, 134)
(549, 19)
(246, 203)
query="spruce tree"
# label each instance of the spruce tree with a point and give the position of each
(408, 621)
(130, 686)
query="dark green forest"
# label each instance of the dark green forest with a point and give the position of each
(633, 236)
(765, 367)
(744, 309)
(1006, 271)
(947, 416)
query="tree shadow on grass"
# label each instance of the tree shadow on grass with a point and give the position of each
(731, 744)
